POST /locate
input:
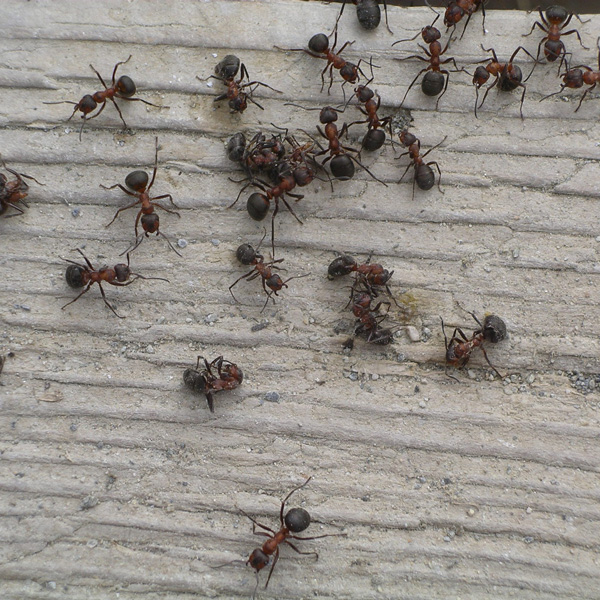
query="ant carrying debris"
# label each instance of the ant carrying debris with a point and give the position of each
(137, 182)
(13, 191)
(124, 89)
(228, 377)
(79, 275)
(424, 176)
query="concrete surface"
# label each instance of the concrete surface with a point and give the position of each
(117, 482)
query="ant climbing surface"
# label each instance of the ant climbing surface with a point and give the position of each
(228, 377)
(123, 89)
(79, 275)
(424, 176)
(137, 182)
(13, 191)
(459, 347)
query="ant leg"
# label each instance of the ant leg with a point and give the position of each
(289, 496)
(155, 164)
(173, 212)
(573, 31)
(562, 87)
(434, 147)
(293, 547)
(122, 209)
(79, 296)
(165, 196)
(100, 77)
(141, 100)
(533, 27)
(445, 87)
(489, 363)
(21, 211)
(118, 185)
(119, 111)
(87, 262)
(412, 83)
(405, 172)
(117, 66)
(210, 401)
(237, 281)
(583, 96)
(298, 197)
(257, 83)
(256, 523)
(168, 241)
(107, 302)
(272, 566)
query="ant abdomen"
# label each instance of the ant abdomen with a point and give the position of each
(342, 167)
(494, 329)
(236, 147)
(374, 139)
(424, 177)
(433, 83)
(319, 43)
(137, 180)
(297, 519)
(125, 86)
(246, 254)
(511, 82)
(342, 265)
(194, 380)
(228, 67)
(257, 206)
(74, 276)
(368, 14)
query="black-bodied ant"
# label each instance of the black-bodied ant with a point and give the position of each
(123, 88)
(137, 182)
(424, 176)
(457, 9)
(225, 71)
(459, 347)
(13, 191)
(228, 377)
(435, 79)
(508, 76)
(375, 136)
(78, 275)
(368, 13)
(370, 275)
(259, 155)
(555, 20)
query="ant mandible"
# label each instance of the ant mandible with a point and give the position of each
(508, 76)
(229, 376)
(368, 13)
(124, 89)
(457, 9)
(137, 181)
(424, 176)
(294, 521)
(459, 348)
(78, 275)
(556, 19)
(14, 191)
(225, 71)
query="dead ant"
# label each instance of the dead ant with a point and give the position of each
(424, 176)
(508, 76)
(79, 275)
(579, 76)
(124, 89)
(457, 9)
(247, 255)
(294, 521)
(225, 71)
(368, 13)
(459, 348)
(435, 79)
(137, 182)
(14, 191)
(229, 376)
(556, 19)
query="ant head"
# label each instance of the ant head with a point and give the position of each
(86, 105)
(258, 206)
(258, 560)
(122, 272)
(328, 115)
(494, 329)
(235, 372)
(125, 86)
(247, 255)
(433, 83)
(556, 14)
(275, 282)
(342, 167)
(150, 223)
(297, 520)
(228, 67)
(363, 93)
(318, 43)
(342, 265)
(74, 276)
(408, 139)
(236, 147)
(430, 34)
(374, 139)
(362, 299)
(194, 380)
(137, 181)
(480, 76)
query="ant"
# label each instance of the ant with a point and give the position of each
(247, 255)
(556, 19)
(375, 136)
(14, 191)
(459, 348)
(229, 376)
(424, 176)
(368, 13)
(137, 182)
(369, 321)
(124, 89)
(508, 76)
(258, 155)
(226, 71)
(294, 521)
(457, 9)
(371, 275)
(576, 78)
(435, 79)
(78, 275)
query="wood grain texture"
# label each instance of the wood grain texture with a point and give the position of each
(117, 482)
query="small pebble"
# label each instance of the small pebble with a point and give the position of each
(211, 318)
(422, 404)
(259, 326)
(413, 333)
(51, 585)
(472, 374)
(353, 376)
(374, 376)
(516, 253)
(598, 238)
(400, 357)
(215, 242)
(272, 397)
(182, 243)
(76, 212)
(530, 378)
(529, 510)
(73, 427)
(471, 512)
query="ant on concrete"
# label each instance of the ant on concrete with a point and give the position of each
(556, 19)
(137, 182)
(371, 275)
(424, 176)
(228, 377)
(123, 88)
(78, 275)
(13, 191)
(369, 321)
(508, 77)
(375, 136)
(368, 13)
(435, 79)
(259, 155)
(457, 9)
(294, 521)
(226, 71)
(579, 76)
(459, 348)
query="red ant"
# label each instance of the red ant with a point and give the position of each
(124, 88)
(368, 13)
(79, 275)
(14, 191)
(424, 176)
(369, 321)
(229, 376)
(247, 255)
(435, 79)
(508, 76)
(226, 71)
(258, 155)
(371, 275)
(556, 19)
(459, 348)
(375, 136)
(138, 182)
(576, 78)
(294, 521)
(457, 9)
